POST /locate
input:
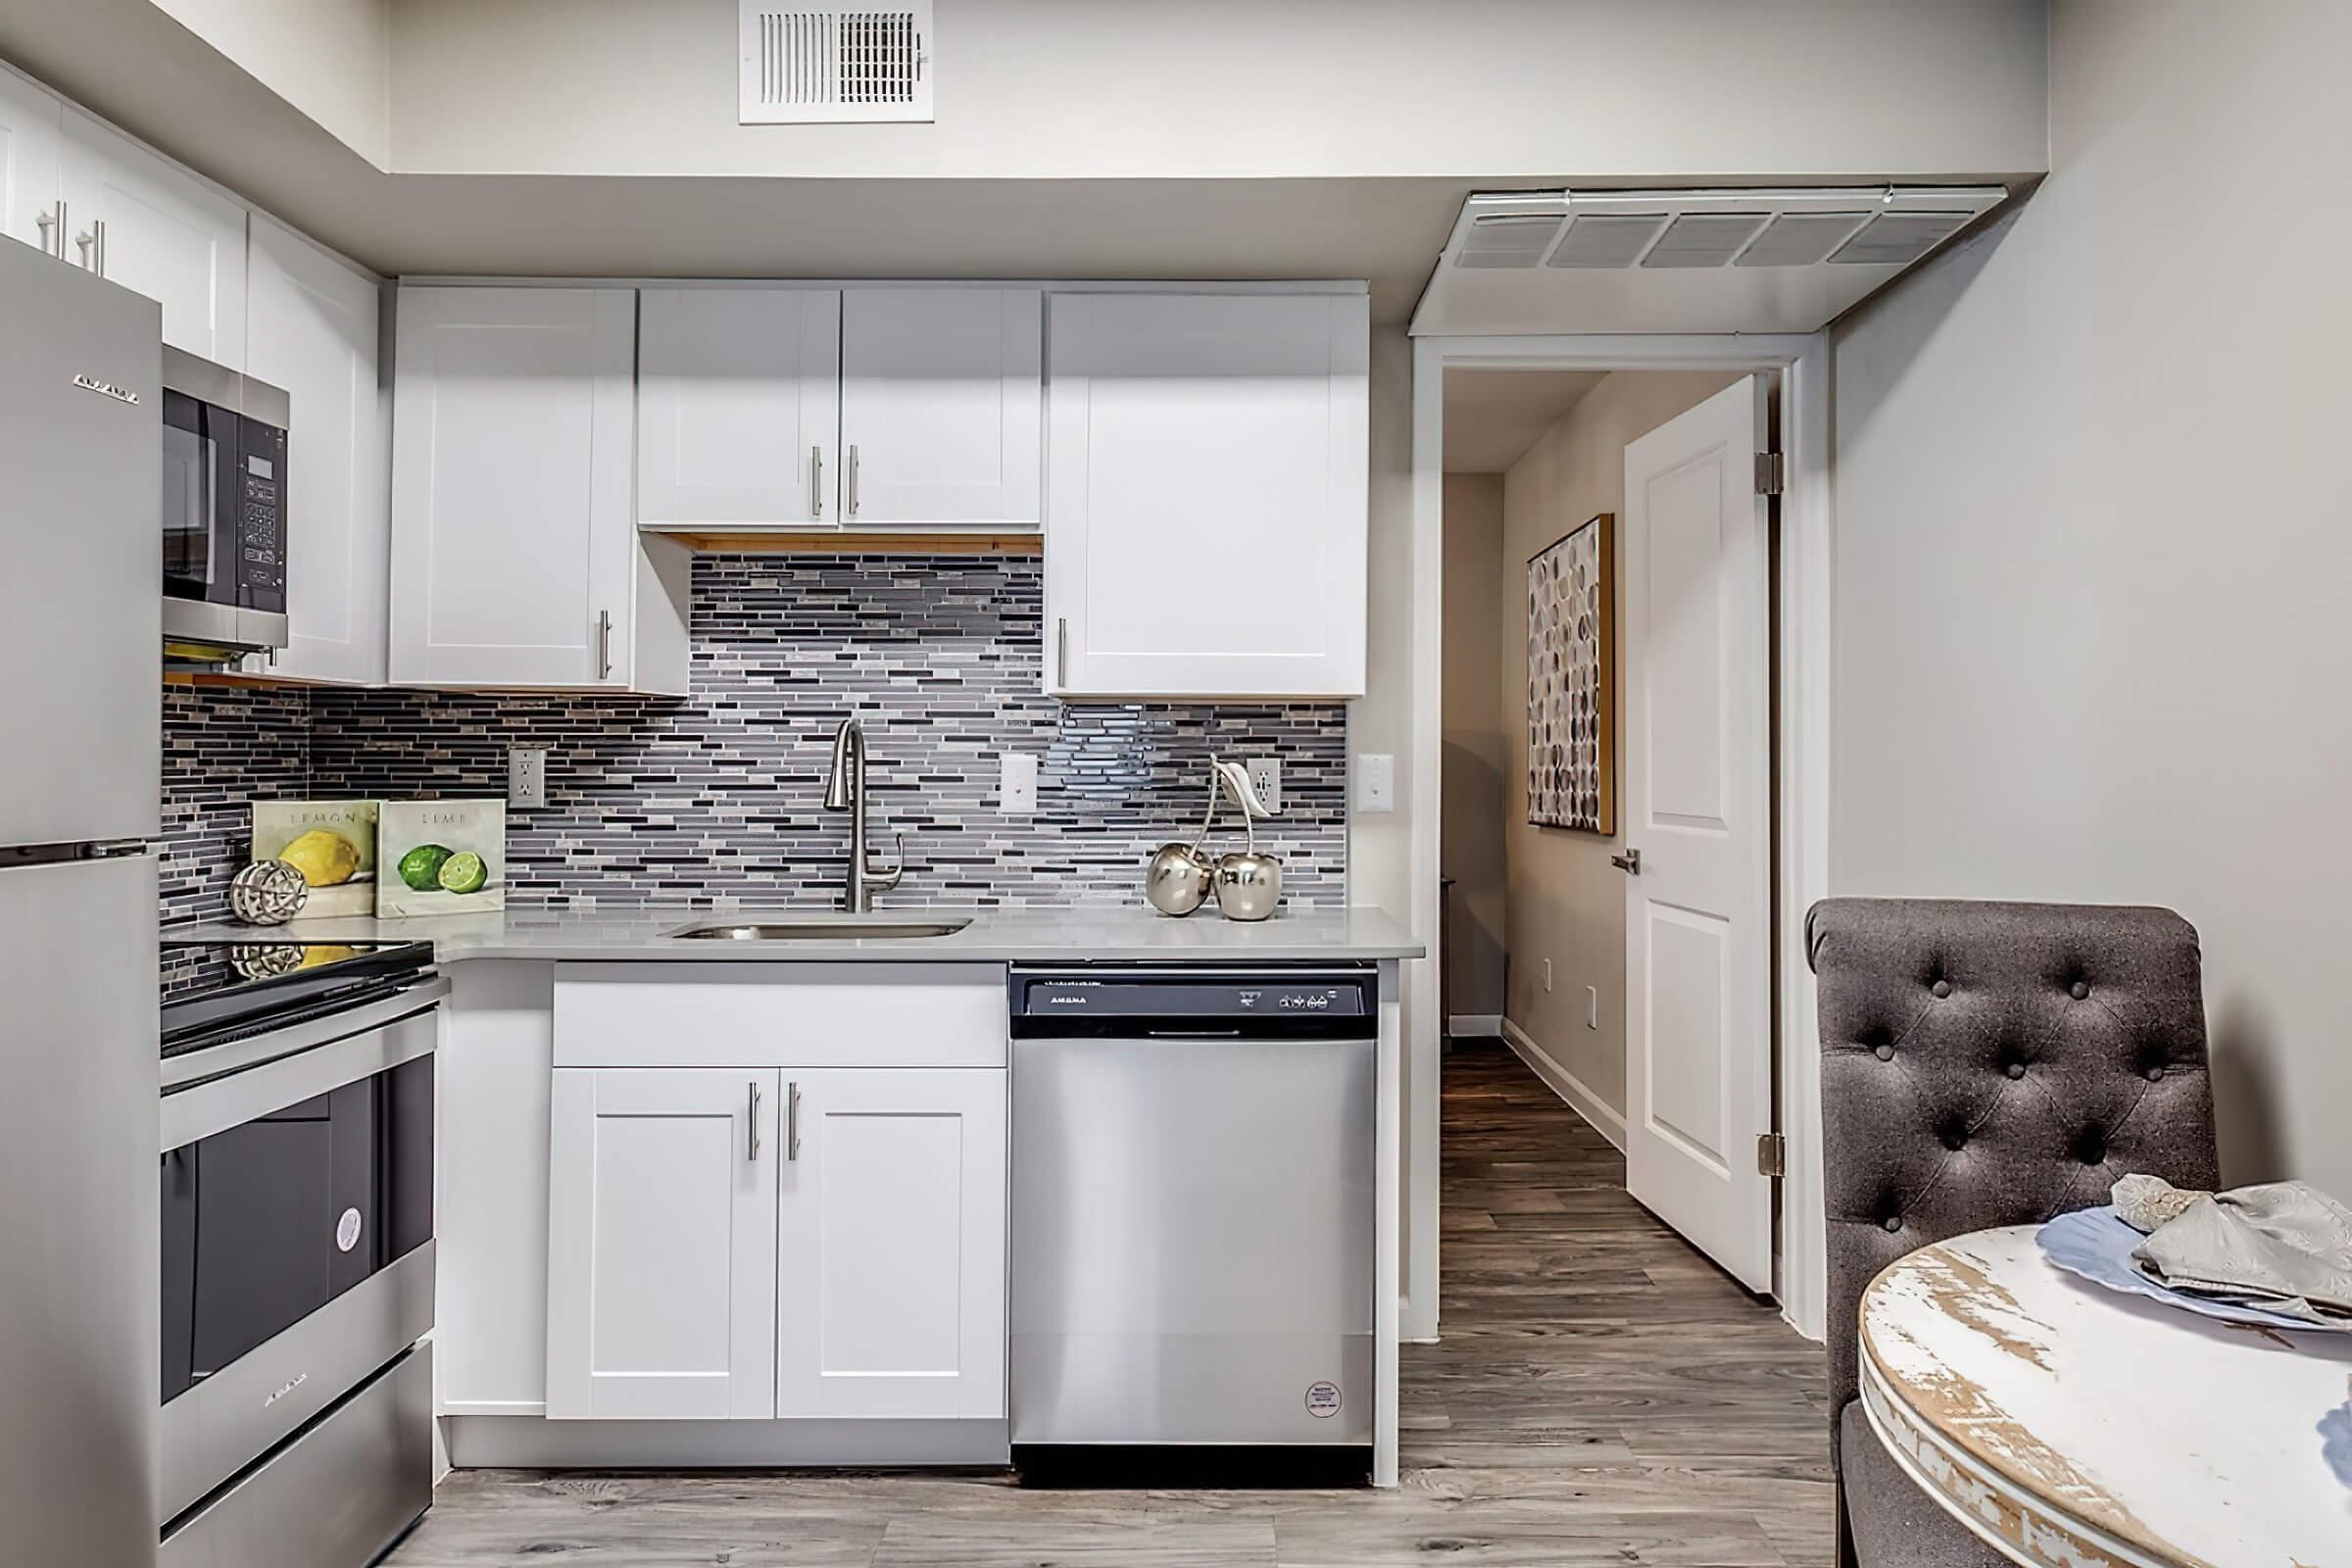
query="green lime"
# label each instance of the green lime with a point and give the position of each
(420, 867)
(463, 872)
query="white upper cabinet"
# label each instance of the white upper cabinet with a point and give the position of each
(940, 412)
(1205, 495)
(157, 230)
(662, 1243)
(515, 556)
(31, 120)
(890, 1300)
(739, 408)
(312, 325)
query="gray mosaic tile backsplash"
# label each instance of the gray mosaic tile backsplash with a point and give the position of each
(718, 794)
(223, 748)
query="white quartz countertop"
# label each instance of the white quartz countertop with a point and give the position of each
(995, 936)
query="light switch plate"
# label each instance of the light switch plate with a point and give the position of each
(1017, 784)
(1591, 1006)
(1265, 777)
(527, 776)
(1375, 781)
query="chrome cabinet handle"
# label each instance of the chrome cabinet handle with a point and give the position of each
(751, 1122)
(817, 481)
(791, 1121)
(93, 254)
(48, 220)
(1630, 863)
(852, 509)
(604, 645)
(1061, 651)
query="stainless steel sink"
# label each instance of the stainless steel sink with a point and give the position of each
(816, 928)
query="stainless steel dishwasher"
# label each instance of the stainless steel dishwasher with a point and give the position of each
(1192, 1207)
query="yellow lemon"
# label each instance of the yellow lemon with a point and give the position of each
(322, 858)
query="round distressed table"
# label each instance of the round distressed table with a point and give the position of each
(2073, 1426)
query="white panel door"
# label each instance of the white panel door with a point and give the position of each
(662, 1243)
(159, 231)
(739, 407)
(512, 544)
(311, 328)
(31, 118)
(889, 1295)
(942, 411)
(1697, 750)
(1205, 495)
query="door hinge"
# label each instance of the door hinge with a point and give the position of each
(1770, 474)
(1772, 1154)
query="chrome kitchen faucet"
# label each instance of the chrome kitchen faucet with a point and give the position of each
(845, 791)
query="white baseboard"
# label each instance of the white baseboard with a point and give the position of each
(1469, 1025)
(1568, 1085)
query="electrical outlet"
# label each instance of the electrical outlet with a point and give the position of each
(1375, 781)
(1265, 777)
(1591, 1006)
(527, 776)
(1547, 977)
(1017, 784)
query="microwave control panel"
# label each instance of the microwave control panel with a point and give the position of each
(260, 528)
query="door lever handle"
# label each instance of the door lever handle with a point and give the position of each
(1630, 863)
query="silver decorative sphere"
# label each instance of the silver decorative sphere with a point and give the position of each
(268, 893)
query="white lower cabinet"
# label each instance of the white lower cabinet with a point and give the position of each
(889, 1252)
(662, 1243)
(815, 1233)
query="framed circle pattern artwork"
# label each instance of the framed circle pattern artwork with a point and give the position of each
(1572, 680)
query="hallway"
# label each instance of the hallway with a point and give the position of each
(1602, 1395)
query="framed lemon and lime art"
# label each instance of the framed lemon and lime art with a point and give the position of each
(442, 858)
(331, 843)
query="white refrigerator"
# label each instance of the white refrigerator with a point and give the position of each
(80, 573)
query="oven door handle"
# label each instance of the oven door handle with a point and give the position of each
(233, 1098)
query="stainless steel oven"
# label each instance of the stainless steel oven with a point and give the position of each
(296, 1178)
(224, 510)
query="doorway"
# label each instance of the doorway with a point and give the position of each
(1638, 909)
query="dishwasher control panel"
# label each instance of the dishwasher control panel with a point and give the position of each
(1179, 1001)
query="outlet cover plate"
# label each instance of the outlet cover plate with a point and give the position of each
(527, 776)
(1017, 784)
(1265, 777)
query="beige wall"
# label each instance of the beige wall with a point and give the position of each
(2092, 558)
(327, 58)
(1193, 89)
(1470, 830)
(1563, 900)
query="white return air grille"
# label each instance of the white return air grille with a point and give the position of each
(1603, 230)
(812, 64)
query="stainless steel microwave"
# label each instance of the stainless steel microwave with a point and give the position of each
(225, 512)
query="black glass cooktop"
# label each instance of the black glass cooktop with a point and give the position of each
(219, 991)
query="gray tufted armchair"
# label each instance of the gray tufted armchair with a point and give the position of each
(1984, 1064)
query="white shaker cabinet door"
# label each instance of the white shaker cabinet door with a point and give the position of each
(942, 414)
(662, 1243)
(31, 122)
(311, 327)
(738, 408)
(890, 1296)
(158, 231)
(512, 545)
(1205, 495)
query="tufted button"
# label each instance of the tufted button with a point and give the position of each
(2082, 990)
(1956, 1138)
(1885, 1052)
(1891, 1223)
(2093, 1150)
(2017, 1069)
(1941, 988)
(2154, 1073)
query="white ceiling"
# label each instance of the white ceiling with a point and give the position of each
(1493, 417)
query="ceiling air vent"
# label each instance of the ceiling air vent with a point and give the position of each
(1608, 239)
(1800, 239)
(1703, 239)
(814, 65)
(1898, 239)
(1507, 240)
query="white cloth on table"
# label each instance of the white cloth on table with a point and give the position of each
(2284, 1246)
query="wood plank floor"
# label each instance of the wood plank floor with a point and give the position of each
(1602, 1395)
